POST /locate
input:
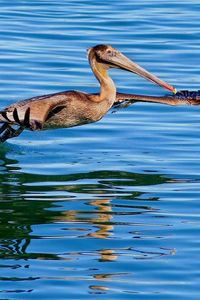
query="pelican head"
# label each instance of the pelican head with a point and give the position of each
(112, 58)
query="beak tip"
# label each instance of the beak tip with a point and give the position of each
(172, 89)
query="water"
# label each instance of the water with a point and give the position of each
(107, 210)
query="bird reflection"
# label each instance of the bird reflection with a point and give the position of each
(103, 218)
(26, 206)
(22, 206)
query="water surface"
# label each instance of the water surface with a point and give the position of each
(108, 210)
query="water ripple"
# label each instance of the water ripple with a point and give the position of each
(107, 210)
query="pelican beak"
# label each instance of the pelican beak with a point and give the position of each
(121, 61)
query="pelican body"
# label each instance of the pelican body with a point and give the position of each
(73, 108)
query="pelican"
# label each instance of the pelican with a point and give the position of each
(73, 108)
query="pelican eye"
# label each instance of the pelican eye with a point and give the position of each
(111, 53)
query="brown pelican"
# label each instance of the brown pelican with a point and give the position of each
(72, 108)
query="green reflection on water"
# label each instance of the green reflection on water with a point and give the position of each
(29, 199)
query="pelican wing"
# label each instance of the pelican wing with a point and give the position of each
(33, 113)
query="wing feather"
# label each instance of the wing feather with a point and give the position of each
(33, 113)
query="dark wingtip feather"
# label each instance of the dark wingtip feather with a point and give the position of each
(27, 118)
(4, 115)
(16, 116)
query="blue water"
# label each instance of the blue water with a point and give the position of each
(108, 210)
